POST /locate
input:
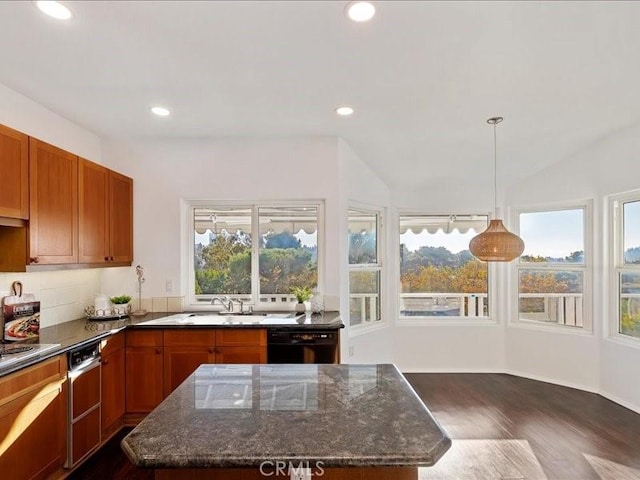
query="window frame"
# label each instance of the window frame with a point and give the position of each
(618, 267)
(585, 268)
(188, 270)
(491, 320)
(369, 267)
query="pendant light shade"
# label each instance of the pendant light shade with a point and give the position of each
(496, 243)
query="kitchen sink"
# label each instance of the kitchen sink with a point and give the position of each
(213, 319)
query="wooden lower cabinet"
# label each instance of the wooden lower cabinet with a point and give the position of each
(33, 414)
(184, 351)
(158, 361)
(113, 383)
(144, 364)
(241, 355)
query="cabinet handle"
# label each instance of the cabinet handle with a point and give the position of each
(106, 259)
(158, 351)
(112, 259)
(105, 361)
(34, 259)
(212, 350)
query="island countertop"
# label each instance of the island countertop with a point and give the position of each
(240, 416)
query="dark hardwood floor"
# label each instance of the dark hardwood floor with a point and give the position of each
(502, 427)
(530, 429)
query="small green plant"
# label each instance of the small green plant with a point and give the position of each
(120, 300)
(302, 294)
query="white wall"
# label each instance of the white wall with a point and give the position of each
(27, 116)
(360, 186)
(593, 362)
(228, 169)
(63, 294)
(446, 347)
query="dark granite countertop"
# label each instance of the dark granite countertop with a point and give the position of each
(76, 333)
(238, 416)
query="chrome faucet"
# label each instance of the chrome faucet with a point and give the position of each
(228, 306)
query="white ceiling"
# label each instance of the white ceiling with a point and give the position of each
(422, 76)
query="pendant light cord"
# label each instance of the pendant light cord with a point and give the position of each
(495, 171)
(495, 121)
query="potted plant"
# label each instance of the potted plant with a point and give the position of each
(121, 304)
(302, 294)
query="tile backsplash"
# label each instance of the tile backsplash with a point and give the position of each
(63, 294)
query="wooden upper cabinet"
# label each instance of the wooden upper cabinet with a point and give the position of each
(14, 165)
(106, 218)
(53, 197)
(93, 218)
(121, 218)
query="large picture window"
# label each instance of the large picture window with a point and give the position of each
(438, 275)
(365, 267)
(254, 253)
(627, 264)
(553, 267)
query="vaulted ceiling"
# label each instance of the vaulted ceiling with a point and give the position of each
(423, 77)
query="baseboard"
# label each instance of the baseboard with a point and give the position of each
(451, 370)
(553, 381)
(625, 404)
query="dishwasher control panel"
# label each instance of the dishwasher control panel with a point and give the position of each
(314, 337)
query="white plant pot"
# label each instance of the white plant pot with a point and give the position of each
(300, 307)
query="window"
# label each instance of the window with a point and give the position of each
(627, 264)
(364, 267)
(438, 275)
(254, 253)
(552, 270)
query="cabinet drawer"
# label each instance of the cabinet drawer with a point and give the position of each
(86, 435)
(189, 337)
(112, 344)
(232, 337)
(85, 390)
(14, 385)
(144, 338)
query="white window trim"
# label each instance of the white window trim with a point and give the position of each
(454, 321)
(616, 262)
(356, 330)
(188, 285)
(514, 310)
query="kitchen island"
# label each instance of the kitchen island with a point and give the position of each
(256, 421)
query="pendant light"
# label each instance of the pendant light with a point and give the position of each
(496, 243)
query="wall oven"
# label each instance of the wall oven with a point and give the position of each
(83, 415)
(303, 346)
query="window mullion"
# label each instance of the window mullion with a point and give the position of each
(255, 256)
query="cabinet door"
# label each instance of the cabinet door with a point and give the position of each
(14, 165)
(121, 218)
(53, 204)
(143, 378)
(113, 375)
(93, 219)
(33, 413)
(181, 361)
(241, 355)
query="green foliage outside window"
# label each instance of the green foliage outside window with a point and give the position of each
(224, 266)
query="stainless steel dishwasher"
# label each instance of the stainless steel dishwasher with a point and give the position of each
(84, 400)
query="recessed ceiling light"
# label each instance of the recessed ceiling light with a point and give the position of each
(160, 111)
(360, 11)
(344, 110)
(54, 9)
